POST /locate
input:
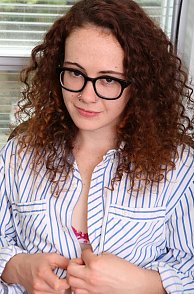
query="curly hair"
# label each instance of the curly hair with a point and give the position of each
(155, 120)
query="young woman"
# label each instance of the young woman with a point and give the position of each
(96, 186)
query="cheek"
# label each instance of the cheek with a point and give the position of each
(120, 105)
(68, 97)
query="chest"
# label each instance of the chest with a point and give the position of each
(119, 222)
(86, 166)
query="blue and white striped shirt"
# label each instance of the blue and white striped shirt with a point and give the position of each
(151, 226)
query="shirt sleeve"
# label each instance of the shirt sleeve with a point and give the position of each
(8, 240)
(11, 289)
(176, 267)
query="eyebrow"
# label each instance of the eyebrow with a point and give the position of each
(101, 72)
(73, 63)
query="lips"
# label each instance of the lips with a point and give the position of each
(87, 113)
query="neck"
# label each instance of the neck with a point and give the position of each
(95, 141)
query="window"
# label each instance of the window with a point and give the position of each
(186, 37)
(22, 25)
(23, 22)
(10, 89)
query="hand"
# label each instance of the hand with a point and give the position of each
(109, 274)
(35, 272)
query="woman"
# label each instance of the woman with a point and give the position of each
(97, 184)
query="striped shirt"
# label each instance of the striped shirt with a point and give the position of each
(151, 226)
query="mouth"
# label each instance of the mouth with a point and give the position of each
(87, 113)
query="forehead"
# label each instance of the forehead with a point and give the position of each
(91, 44)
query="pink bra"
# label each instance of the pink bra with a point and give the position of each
(82, 237)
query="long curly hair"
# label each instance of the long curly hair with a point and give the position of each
(155, 120)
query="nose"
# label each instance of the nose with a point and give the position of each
(88, 94)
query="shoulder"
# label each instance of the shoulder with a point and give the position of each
(9, 149)
(13, 153)
(179, 185)
(185, 161)
(182, 174)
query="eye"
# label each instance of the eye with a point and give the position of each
(109, 80)
(76, 73)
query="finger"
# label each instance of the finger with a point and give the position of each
(80, 291)
(77, 260)
(52, 292)
(87, 256)
(41, 286)
(76, 270)
(75, 283)
(69, 291)
(58, 260)
(55, 283)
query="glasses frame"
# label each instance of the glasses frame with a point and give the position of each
(124, 84)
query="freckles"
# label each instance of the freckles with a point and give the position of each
(73, 96)
(68, 95)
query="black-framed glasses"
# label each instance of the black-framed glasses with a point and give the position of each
(105, 87)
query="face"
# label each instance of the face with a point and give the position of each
(94, 52)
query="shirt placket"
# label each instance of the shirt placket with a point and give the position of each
(98, 205)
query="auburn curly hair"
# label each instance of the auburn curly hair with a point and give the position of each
(155, 120)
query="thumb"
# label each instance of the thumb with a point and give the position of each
(77, 261)
(87, 256)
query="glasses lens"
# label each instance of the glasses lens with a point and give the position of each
(108, 87)
(72, 80)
